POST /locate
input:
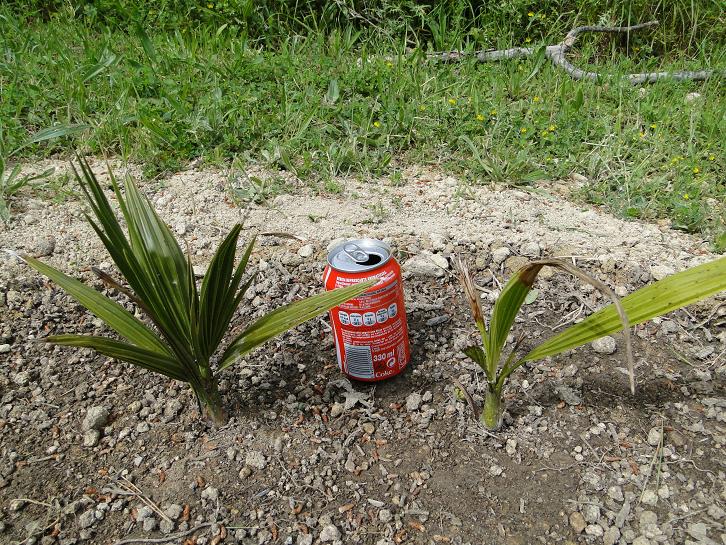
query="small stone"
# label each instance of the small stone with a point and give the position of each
(604, 345)
(255, 459)
(149, 525)
(385, 515)
(180, 228)
(591, 513)
(95, 419)
(413, 401)
(44, 247)
(245, 472)
(336, 410)
(500, 254)
(641, 540)
(577, 521)
(87, 519)
(306, 251)
(648, 517)
(594, 530)
(4, 348)
(698, 530)
(616, 493)
(649, 497)
(654, 437)
(304, 539)
(210, 493)
(426, 265)
(369, 428)
(659, 272)
(142, 427)
(22, 378)
(144, 512)
(530, 249)
(174, 511)
(511, 446)
(611, 537)
(568, 395)
(166, 526)
(496, 470)
(91, 438)
(329, 533)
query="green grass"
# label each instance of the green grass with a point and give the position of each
(338, 98)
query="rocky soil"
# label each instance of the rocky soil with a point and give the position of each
(93, 451)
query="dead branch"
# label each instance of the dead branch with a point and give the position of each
(558, 55)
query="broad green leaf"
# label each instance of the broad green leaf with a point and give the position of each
(107, 61)
(117, 317)
(160, 363)
(480, 358)
(671, 293)
(146, 43)
(287, 317)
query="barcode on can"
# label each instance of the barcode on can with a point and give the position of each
(359, 361)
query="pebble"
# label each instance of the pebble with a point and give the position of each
(91, 438)
(336, 410)
(174, 511)
(648, 517)
(426, 265)
(649, 497)
(615, 493)
(496, 470)
(594, 530)
(530, 249)
(306, 251)
(385, 515)
(255, 459)
(44, 247)
(659, 272)
(304, 539)
(577, 522)
(500, 254)
(413, 401)
(87, 519)
(591, 513)
(641, 540)
(4, 348)
(611, 536)
(245, 472)
(654, 437)
(22, 378)
(604, 345)
(96, 418)
(329, 533)
(210, 493)
(369, 428)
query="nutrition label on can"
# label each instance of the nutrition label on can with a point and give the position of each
(371, 333)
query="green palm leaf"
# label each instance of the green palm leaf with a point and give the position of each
(115, 316)
(148, 359)
(287, 317)
(671, 293)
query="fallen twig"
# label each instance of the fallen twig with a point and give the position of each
(558, 55)
(166, 539)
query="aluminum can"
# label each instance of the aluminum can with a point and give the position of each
(371, 333)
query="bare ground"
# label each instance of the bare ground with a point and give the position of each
(309, 457)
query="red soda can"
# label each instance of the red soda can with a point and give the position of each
(371, 334)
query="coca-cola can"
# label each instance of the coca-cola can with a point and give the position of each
(371, 333)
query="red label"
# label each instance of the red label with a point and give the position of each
(371, 334)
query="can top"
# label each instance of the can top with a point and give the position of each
(361, 255)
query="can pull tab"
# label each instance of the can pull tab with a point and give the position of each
(356, 253)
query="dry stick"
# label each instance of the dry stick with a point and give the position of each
(167, 539)
(557, 54)
(472, 404)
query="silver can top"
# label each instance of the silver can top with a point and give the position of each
(361, 255)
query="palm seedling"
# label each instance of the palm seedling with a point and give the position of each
(670, 293)
(190, 321)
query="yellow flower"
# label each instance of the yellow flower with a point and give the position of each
(389, 64)
(536, 99)
(530, 14)
(422, 107)
(376, 124)
(493, 112)
(528, 39)
(479, 117)
(523, 130)
(551, 128)
(452, 101)
(652, 125)
(686, 196)
(696, 170)
(545, 133)
(210, 6)
(642, 134)
(712, 157)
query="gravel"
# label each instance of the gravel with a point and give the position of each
(604, 345)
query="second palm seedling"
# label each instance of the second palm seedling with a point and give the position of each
(668, 294)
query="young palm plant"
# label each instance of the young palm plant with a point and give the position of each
(190, 321)
(668, 294)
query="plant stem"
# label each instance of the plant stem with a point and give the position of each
(210, 401)
(493, 412)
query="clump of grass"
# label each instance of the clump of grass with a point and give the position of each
(671, 293)
(189, 321)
